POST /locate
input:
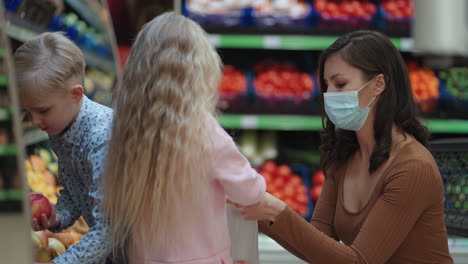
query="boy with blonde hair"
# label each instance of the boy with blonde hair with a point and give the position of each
(50, 74)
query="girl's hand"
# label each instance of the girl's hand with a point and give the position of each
(53, 221)
(267, 209)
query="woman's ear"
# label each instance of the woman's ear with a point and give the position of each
(379, 85)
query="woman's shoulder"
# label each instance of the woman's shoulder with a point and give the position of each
(413, 153)
(416, 162)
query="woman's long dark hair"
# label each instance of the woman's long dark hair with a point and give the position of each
(372, 53)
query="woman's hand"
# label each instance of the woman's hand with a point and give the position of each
(267, 209)
(46, 223)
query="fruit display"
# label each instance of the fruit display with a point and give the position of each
(233, 83)
(280, 12)
(99, 85)
(398, 9)
(40, 171)
(46, 248)
(286, 186)
(396, 14)
(425, 86)
(282, 81)
(258, 146)
(456, 82)
(456, 192)
(217, 12)
(346, 9)
(216, 6)
(318, 178)
(345, 13)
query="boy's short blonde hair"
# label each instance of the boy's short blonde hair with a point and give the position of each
(45, 63)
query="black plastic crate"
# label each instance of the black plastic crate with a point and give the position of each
(451, 156)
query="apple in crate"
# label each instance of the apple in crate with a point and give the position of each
(39, 205)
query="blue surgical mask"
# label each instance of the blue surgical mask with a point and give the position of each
(343, 109)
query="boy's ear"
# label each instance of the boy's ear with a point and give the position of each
(77, 92)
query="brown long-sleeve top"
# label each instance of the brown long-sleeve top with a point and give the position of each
(403, 222)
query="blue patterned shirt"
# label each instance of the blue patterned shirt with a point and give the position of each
(81, 152)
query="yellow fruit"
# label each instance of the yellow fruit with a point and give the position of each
(44, 255)
(40, 239)
(67, 238)
(37, 164)
(27, 165)
(56, 245)
(53, 167)
(45, 156)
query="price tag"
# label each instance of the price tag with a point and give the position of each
(215, 40)
(271, 42)
(249, 121)
(407, 44)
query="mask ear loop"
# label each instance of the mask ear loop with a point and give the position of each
(373, 98)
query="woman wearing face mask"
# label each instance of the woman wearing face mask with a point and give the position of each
(383, 195)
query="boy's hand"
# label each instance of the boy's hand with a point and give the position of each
(53, 221)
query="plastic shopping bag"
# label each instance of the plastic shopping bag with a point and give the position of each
(244, 237)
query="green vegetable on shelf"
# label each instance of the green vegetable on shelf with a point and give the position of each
(456, 81)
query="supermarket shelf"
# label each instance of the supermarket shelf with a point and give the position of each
(20, 33)
(7, 150)
(99, 62)
(3, 80)
(11, 195)
(34, 135)
(271, 122)
(23, 34)
(86, 13)
(4, 114)
(314, 123)
(287, 42)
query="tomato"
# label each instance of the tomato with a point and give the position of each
(303, 210)
(267, 175)
(302, 199)
(278, 195)
(315, 193)
(320, 5)
(318, 178)
(370, 8)
(284, 171)
(279, 182)
(332, 7)
(289, 192)
(232, 81)
(269, 166)
(347, 8)
(295, 181)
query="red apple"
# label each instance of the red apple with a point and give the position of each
(39, 205)
(318, 178)
(315, 192)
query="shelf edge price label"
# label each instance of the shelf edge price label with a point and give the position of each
(215, 40)
(249, 121)
(271, 42)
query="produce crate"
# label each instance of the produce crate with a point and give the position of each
(451, 156)
(304, 172)
(454, 91)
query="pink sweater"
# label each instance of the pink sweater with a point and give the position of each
(233, 178)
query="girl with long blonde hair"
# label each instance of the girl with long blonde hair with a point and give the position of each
(170, 166)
